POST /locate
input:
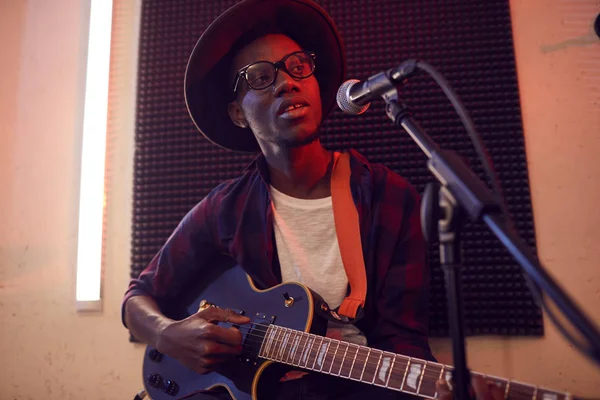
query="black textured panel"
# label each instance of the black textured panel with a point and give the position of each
(470, 42)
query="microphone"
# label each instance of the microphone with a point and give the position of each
(354, 96)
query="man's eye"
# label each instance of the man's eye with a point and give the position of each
(297, 69)
(263, 78)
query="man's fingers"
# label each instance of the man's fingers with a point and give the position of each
(486, 390)
(216, 314)
(444, 392)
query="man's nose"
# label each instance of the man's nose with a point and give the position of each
(285, 84)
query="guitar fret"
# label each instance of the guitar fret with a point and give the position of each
(405, 372)
(534, 393)
(298, 349)
(428, 379)
(359, 363)
(353, 361)
(334, 354)
(309, 339)
(326, 354)
(387, 381)
(347, 361)
(266, 342)
(384, 369)
(289, 346)
(371, 366)
(293, 347)
(273, 346)
(506, 390)
(284, 339)
(413, 376)
(303, 348)
(339, 359)
(308, 349)
(422, 374)
(276, 345)
(365, 365)
(377, 367)
(317, 350)
(279, 353)
(318, 354)
(397, 372)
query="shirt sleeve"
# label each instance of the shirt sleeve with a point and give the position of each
(180, 259)
(402, 322)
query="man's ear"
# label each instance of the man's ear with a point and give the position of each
(237, 114)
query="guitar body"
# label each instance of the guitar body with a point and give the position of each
(250, 377)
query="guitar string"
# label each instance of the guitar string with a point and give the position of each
(432, 376)
(330, 351)
(359, 358)
(398, 374)
(515, 389)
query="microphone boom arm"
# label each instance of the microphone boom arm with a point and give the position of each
(480, 204)
(461, 188)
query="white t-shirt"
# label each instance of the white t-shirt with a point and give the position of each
(309, 253)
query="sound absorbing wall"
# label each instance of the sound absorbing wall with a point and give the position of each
(469, 41)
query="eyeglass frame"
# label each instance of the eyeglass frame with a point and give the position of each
(277, 66)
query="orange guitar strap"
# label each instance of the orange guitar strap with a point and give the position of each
(347, 228)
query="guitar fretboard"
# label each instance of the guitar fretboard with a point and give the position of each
(376, 367)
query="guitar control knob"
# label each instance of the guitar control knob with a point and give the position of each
(155, 355)
(171, 388)
(155, 380)
(289, 301)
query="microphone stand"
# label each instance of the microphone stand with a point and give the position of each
(440, 203)
(461, 192)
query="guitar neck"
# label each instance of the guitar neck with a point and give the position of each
(376, 367)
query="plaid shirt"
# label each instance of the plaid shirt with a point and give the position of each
(236, 218)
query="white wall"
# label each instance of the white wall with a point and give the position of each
(51, 350)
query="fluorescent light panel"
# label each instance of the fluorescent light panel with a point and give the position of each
(92, 197)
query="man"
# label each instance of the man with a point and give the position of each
(260, 79)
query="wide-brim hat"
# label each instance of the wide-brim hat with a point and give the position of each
(208, 89)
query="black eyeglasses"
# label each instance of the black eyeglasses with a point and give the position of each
(262, 74)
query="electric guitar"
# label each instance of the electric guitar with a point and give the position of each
(285, 333)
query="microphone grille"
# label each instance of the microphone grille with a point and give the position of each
(343, 99)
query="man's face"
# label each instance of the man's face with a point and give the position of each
(287, 113)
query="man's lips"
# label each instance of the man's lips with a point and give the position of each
(295, 113)
(292, 106)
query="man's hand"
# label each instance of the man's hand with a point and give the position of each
(198, 343)
(483, 390)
